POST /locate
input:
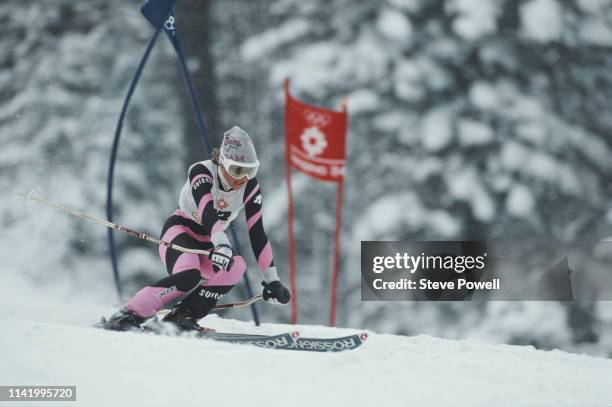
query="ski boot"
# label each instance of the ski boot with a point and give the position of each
(184, 321)
(124, 320)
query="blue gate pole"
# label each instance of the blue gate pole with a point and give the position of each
(111, 168)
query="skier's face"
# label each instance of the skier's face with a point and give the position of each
(234, 183)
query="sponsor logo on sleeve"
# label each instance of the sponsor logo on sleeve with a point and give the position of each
(166, 291)
(202, 181)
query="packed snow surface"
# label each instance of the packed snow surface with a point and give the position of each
(48, 341)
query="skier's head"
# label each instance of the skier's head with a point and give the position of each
(237, 157)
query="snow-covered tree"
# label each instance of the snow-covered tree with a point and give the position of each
(64, 71)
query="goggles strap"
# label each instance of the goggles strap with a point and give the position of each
(224, 182)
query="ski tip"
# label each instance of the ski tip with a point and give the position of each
(101, 323)
(363, 336)
(295, 335)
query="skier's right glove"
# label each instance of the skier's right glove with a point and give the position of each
(222, 257)
(275, 292)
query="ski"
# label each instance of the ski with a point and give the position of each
(337, 344)
(283, 341)
(280, 341)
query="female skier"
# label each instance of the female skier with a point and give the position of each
(215, 192)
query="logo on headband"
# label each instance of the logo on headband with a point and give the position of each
(231, 143)
(239, 158)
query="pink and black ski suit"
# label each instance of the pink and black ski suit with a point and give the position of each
(206, 208)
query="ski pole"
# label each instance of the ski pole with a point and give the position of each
(162, 313)
(31, 196)
(240, 304)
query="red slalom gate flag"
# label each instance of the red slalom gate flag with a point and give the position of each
(316, 145)
(316, 139)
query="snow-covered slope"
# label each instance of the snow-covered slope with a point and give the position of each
(47, 342)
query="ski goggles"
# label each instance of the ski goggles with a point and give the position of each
(237, 169)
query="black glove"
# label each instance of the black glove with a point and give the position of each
(276, 293)
(222, 257)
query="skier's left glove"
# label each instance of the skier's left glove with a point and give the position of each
(222, 257)
(275, 292)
